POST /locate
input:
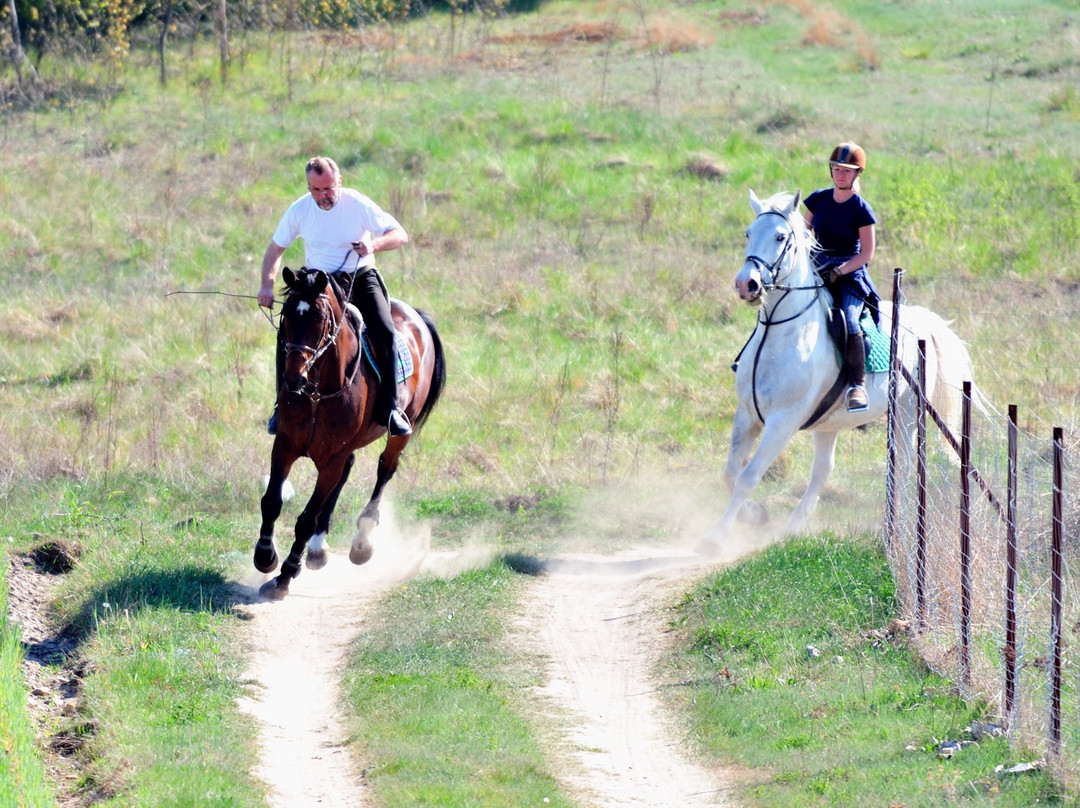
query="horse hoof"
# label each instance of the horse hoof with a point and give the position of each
(751, 513)
(710, 547)
(361, 551)
(274, 589)
(265, 559)
(316, 559)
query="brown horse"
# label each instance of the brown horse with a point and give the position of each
(325, 409)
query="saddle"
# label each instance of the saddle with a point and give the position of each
(875, 340)
(401, 349)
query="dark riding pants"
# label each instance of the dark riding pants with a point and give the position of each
(369, 295)
(850, 301)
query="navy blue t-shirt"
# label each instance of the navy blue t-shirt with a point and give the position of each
(836, 225)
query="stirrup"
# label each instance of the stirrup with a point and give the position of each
(860, 404)
(398, 424)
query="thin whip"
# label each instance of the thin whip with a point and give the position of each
(268, 314)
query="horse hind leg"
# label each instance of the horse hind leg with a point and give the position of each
(317, 554)
(360, 551)
(824, 462)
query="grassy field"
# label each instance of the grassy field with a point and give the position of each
(575, 185)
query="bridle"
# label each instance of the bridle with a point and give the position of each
(327, 338)
(768, 272)
(769, 282)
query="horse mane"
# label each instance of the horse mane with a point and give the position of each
(803, 234)
(335, 284)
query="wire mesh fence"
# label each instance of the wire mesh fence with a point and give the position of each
(981, 530)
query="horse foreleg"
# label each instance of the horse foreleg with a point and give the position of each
(316, 549)
(824, 461)
(774, 437)
(744, 433)
(360, 551)
(266, 558)
(328, 478)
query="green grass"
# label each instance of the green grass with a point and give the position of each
(23, 781)
(150, 605)
(794, 673)
(434, 690)
(580, 277)
(175, 730)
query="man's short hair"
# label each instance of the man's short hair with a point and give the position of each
(321, 166)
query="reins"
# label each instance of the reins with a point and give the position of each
(326, 340)
(765, 317)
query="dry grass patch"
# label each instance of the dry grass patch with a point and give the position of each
(587, 32)
(705, 167)
(673, 36)
(827, 27)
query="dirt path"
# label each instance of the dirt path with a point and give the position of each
(298, 649)
(599, 622)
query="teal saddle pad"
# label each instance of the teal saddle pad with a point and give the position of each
(877, 357)
(404, 357)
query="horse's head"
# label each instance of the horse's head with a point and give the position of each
(309, 322)
(777, 247)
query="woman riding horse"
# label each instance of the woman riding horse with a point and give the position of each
(843, 225)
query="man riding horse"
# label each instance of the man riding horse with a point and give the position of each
(342, 230)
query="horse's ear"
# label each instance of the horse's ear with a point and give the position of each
(755, 203)
(793, 206)
(288, 276)
(319, 279)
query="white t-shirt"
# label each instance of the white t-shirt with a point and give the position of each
(328, 234)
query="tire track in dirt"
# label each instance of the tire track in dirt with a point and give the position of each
(598, 623)
(298, 648)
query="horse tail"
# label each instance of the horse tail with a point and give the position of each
(438, 372)
(954, 367)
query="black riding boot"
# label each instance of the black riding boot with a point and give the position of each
(855, 370)
(397, 423)
(370, 297)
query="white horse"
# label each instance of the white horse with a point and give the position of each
(789, 375)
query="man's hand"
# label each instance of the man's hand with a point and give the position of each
(365, 246)
(266, 296)
(832, 275)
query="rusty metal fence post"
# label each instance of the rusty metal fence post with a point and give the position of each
(891, 428)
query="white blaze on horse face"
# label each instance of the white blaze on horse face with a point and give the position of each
(302, 307)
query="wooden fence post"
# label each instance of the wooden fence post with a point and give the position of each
(1057, 607)
(920, 475)
(965, 539)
